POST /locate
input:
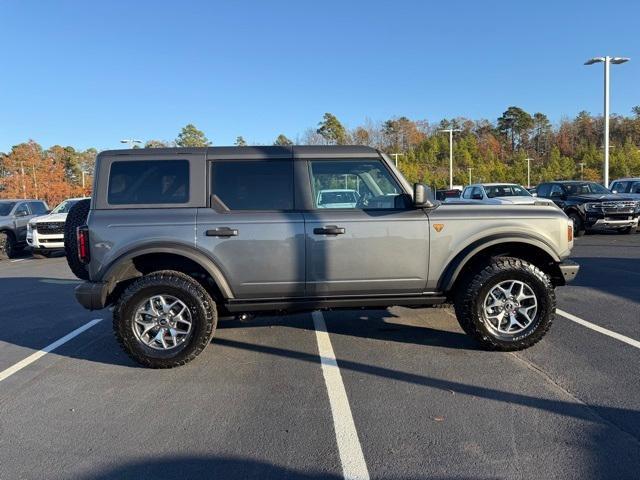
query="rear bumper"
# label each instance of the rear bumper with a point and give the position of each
(92, 295)
(569, 270)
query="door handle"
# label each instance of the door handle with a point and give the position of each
(329, 230)
(222, 232)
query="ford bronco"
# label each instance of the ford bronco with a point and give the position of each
(174, 237)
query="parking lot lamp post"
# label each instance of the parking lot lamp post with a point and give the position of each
(582, 171)
(450, 132)
(470, 174)
(528, 171)
(396, 157)
(131, 142)
(607, 61)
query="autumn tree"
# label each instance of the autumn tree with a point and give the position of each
(190, 136)
(156, 144)
(282, 140)
(515, 124)
(332, 130)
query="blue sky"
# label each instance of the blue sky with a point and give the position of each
(90, 73)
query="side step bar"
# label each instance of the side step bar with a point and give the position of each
(304, 303)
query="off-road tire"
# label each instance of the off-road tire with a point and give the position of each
(578, 225)
(7, 245)
(77, 217)
(475, 287)
(203, 314)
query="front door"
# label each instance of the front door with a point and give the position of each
(252, 230)
(22, 215)
(362, 235)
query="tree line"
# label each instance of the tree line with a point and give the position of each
(483, 150)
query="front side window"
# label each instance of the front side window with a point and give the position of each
(635, 187)
(556, 191)
(543, 190)
(585, 188)
(253, 184)
(359, 184)
(149, 182)
(620, 187)
(22, 210)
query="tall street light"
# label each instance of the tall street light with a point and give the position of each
(469, 174)
(131, 142)
(450, 132)
(396, 157)
(607, 61)
(582, 164)
(528, 171)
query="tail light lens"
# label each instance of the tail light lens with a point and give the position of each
(82, 234)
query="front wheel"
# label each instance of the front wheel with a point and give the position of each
(8, 247)
(508, 305)
(578, 225)
(626, 230)
(164, 319)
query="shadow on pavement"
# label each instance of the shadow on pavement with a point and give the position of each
(615, 276)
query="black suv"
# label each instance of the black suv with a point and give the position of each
(592, 206)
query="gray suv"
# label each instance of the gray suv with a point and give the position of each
(14, 218)
(172, 238)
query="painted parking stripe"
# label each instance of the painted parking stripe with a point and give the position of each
(349, 448)
(49, 348)
(597, 328)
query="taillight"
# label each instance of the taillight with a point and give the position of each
(82, 234)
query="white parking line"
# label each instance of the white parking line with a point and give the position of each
(353, 465)
(597, 328)
(49, 348)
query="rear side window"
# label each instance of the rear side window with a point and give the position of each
(149, 182)
(38, 208)
(253, 184)
(543, 190)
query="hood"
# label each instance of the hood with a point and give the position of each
(53, 217)
(599, 197)
(518, 200)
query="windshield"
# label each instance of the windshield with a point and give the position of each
(585, 188)
(65, 206)
(506, 191)
(5, 208)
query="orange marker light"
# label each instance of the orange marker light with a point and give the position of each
(438, 227)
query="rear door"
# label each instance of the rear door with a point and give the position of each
(378, 244)
(252, 229)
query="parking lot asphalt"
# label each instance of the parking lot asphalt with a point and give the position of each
(421, 400)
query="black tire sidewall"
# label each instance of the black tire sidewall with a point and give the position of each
(202, 317)
(77, 217)
(578, 224)
(540, 289)
(7, 245)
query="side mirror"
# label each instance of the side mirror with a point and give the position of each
(614, 191)
(21, 213)
(422, 196)
(476, 196)
(534, 194)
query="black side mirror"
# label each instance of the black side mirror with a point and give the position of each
(21, 213)
(422, 196)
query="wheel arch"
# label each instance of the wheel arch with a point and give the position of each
(531, 249)
(182, 258)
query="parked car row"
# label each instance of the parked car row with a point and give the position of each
(589, 205)
(30, 223)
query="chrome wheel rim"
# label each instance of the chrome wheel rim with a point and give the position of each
(510, 307)
(162, 322)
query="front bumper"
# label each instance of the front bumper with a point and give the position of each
(92, 295)
(604, 223)
(45, 242)
(569, 270)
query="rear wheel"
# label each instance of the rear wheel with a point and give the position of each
(7, 245)
(578, 226)
(164, 319)
(77, 216)
(508, 305)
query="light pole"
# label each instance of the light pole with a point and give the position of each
(469, 174)
(450, 132)
(528, 171)
(131, 142)
(582, 170)
(396, 157)
(607, 61)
